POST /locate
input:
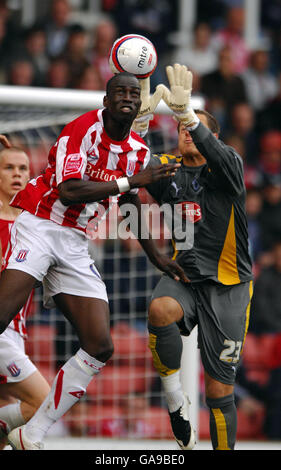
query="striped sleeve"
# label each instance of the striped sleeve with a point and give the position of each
(71, 151)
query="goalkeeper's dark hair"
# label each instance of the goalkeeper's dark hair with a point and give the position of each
(211, 121)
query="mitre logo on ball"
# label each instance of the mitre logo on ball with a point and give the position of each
(135, 54)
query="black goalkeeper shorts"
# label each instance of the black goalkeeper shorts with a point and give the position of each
(222, 315)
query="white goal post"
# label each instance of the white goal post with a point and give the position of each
(66, 105)
(66, 99)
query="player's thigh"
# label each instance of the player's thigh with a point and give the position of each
(90, 319)
(5, 398)
(223, 317)
(31, 390)
(172, 301)
(15, 287)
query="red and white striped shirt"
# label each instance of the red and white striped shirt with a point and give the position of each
(82, 151)
(19, 322)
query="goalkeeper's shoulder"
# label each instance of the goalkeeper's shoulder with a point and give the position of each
(163, 158)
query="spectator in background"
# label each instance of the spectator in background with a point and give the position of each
(21, 73)
(104, 36)
(232, 35)
(270, 216)
(200, 56)
(58, 74)
(254, 204)
(269, 117)
(242, 124)
(10, 32)
(270, 153)
(223, 88)
(33, 50)
(266, 301)
(89, 79)
(261, 85)
(75, 53)
(57, 27)
(252, 175)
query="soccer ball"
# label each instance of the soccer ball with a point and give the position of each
(135, 54)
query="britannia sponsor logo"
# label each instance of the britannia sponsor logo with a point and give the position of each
(98, 174)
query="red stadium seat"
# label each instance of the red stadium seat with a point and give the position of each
(130, 346)
(257, 355)
(113, 383)
(114, 421)
(40, 345)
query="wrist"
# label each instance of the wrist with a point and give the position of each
(123, 185)
(189, 118)
(133, 181)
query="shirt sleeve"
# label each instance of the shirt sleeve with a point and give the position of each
(225, 165)
(71, 153)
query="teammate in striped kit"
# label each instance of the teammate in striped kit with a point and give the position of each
(95, 157)
(19, 378)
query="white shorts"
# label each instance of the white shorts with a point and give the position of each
(55, 255)
(15, 365)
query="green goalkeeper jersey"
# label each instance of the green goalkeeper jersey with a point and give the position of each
(210, 201)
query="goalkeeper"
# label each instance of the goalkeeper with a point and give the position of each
(209, 194)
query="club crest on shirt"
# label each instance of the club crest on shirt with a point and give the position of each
(14, 369)
(130, 167)
(92, 158)
(22, 254)
(195, 185)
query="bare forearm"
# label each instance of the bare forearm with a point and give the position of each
(139, 227)
(76, 191)
(79, 191)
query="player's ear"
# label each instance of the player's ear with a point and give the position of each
(105, 101)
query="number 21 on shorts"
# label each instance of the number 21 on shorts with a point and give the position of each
(231, 353)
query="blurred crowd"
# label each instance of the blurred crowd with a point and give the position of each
(241, 88)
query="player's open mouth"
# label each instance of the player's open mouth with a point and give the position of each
(126, 109)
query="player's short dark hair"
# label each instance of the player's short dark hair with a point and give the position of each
(116, 77)
(211, 121)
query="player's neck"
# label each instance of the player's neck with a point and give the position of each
(193, 160)
(116, 130)
(6, 211)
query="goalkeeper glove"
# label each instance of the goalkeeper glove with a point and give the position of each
(148, 106)
(179, 96)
